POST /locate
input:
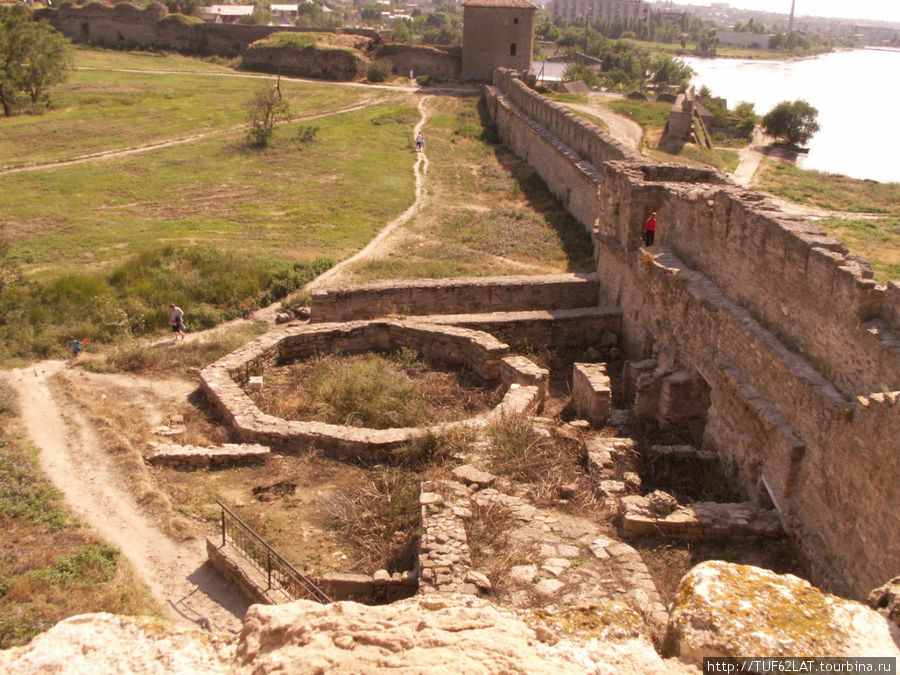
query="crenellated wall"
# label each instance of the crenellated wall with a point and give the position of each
(589, 141)
(789, 331)
(792, 278)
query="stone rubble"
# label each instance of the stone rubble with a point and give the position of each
(197, 457)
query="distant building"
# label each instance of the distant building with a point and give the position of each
(226, 13)
(496, 33)
(601, 10)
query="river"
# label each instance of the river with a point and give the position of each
(855, 92)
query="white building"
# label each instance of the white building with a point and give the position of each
(601, 10)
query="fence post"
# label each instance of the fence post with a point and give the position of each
(269, 567)
(223, 525)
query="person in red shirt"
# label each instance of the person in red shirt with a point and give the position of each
(650, 229)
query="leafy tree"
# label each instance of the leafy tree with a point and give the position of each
(795, 122)
(33, 57)
(578, 71)
(667, 72)
(745, 118)
(186, 7)
(263, 110)
(260, 17)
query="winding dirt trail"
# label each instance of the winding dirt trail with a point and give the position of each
(186, 586)
(177, 573)
(378, 243)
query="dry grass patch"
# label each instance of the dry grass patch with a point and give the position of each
(492, 549)
(380, 391)
(544, 461)
(379, 520)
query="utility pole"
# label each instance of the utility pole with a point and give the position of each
(791, 21)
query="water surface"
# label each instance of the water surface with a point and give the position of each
(856, 93)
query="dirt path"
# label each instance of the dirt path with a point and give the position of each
(112, 154)
(177, 573)
(621, 128)
(379, 243)
(749, 159)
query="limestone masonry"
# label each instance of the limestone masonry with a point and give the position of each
(757, 319)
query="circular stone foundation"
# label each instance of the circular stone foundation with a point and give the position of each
(487, 357)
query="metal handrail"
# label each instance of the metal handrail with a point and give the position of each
(268, 560)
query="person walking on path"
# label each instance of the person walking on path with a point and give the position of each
(650, 229)
(420, 142)
(75, 346)
(176, 320)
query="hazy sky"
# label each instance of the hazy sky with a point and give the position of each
(880, 10)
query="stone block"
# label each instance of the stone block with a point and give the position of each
(591, 392)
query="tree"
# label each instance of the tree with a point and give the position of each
(33, 57)
(795, 121)
(745, 118)
(263, 110)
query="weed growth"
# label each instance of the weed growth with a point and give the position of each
(377, 391)
(380, 520)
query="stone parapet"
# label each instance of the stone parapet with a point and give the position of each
(789, 275)
(587, 139)
(574, 181)
(554, 328)
(454, 296)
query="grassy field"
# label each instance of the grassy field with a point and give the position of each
(118, 100)
(99, 248)
(487, 211)
(876, 238)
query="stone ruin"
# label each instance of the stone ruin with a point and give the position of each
(573, 561)
(737, 324)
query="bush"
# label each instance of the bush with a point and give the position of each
(380, 70)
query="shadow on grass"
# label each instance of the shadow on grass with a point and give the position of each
(573, 237)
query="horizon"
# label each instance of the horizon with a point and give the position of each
(868, 10)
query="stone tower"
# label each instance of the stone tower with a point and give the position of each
(496, 33)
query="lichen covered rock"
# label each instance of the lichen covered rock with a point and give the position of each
(108, 643)
(722, 609)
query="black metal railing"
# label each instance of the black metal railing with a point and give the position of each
(279, 572)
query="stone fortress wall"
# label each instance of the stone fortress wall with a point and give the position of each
(127, 25)
(766, 323)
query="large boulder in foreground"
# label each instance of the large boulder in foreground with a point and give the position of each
(110, 643)
(441, 634)
(435, 634)
(722, 609)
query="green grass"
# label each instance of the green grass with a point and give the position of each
(24, 493)
(492, 204)
(212, 225)
(108, 109)
(876, 239)
(828, 191)
(292, 40)
(648, 114)
(722, 159)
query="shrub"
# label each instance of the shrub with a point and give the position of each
(380, 70)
